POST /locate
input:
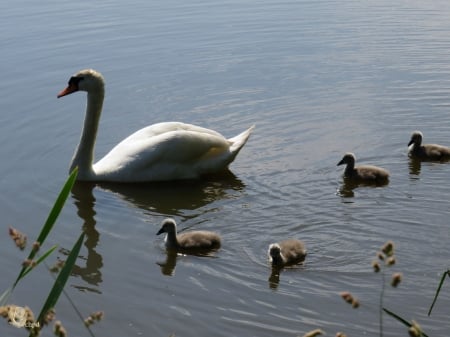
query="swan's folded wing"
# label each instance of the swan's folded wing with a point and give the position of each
(165, 151)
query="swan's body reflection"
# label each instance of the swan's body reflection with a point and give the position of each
(175, 198)
(178, 198)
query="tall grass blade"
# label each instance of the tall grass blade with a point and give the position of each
(404, 321)
(447, 273)
(39, 260)
(56, 210)
(4, 297)
(61, 280)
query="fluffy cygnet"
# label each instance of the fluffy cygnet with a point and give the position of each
(363, 173)
(189, 241)
(287, 252)
(427, 151)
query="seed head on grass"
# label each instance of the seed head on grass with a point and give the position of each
(390, 261)
(59, 330)
(386, 254)
(415, 330)
(388, 248)
(4, 311)
(57, 266)
(19, 238)
(376, 266)
(396, 279)
(49, 316)
(314, 333)
(94, 317)
(36, 246)
(29, 263)
(349, 298)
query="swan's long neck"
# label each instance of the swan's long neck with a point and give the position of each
(84, 154)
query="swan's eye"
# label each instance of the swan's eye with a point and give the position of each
(75, 80)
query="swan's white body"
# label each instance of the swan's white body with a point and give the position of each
(159, 152)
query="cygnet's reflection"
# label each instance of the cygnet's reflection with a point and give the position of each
(348, 186)
(274, 278)
(169, 264)
(178, 198)
(415, 165)
(275, 273)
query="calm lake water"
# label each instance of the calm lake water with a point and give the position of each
(317, 78)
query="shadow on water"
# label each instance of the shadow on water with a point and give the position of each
(167, 198)
(349, 185)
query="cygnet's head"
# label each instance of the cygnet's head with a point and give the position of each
(85, 80)
(275, 251)
(349, 159)
(168, 226)
(416, 138)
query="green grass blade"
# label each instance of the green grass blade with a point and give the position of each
(56, 210)
(4, 297)
(38, 261)
(447, 273)
(404, 321)
(61, 280)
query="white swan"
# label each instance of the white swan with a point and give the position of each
(163, 151)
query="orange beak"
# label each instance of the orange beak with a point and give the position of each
(67, 91)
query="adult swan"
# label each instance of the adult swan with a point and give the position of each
(163, 151)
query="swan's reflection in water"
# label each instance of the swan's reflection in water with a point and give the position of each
(85, 202)
(176, 197)
(179, 198)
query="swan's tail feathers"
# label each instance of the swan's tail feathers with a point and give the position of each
(239, 141)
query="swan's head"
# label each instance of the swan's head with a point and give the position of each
(349, 159)
(85, 80)
(416, 138)
(168, 226)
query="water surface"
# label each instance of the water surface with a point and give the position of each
(318, 78)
